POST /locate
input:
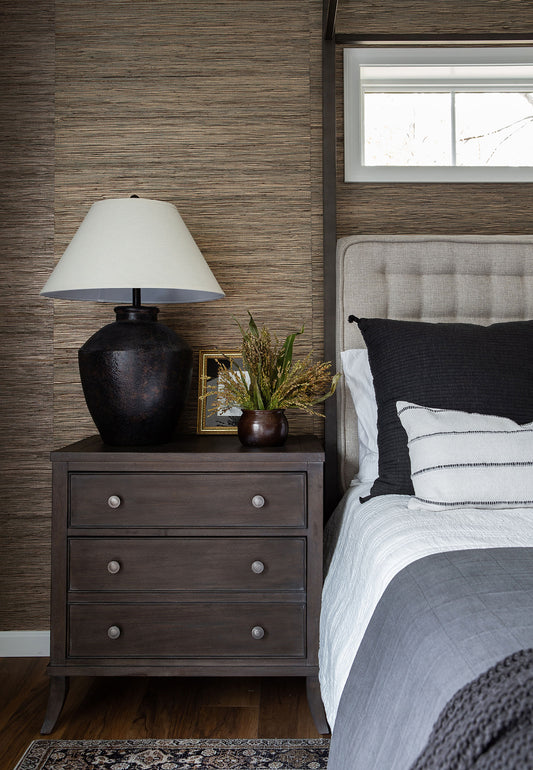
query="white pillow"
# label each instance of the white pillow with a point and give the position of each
(459, 459)
(360, 383)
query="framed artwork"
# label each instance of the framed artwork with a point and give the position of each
(209, 421)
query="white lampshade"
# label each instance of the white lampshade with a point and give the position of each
(127, 243)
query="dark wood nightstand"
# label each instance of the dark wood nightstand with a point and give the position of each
(196, 558)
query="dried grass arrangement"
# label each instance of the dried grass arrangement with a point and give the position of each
(269, 378)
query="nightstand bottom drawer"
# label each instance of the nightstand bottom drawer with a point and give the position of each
(210, 630)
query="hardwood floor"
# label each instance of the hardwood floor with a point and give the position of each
(113, 707)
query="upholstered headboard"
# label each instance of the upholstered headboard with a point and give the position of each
(469, 278)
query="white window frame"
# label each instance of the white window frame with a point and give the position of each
(355, 58)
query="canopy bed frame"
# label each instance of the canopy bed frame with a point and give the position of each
(425, 601)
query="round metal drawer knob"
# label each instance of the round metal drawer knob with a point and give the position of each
(258, 567)
(258, 632)
(114, 501)
(113, 632)
(113, 567)
(258, 501)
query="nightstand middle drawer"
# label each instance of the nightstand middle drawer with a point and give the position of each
(174, 564)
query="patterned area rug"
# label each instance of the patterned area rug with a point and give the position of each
(258, 754)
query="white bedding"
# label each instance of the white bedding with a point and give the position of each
(370, 544)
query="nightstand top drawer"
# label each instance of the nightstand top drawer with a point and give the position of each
(204, 630)
(257, 499)
(187, 564)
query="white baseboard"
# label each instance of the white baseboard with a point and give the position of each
(24, 644)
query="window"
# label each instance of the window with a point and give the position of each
(438, 115)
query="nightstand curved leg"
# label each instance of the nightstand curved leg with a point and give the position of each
(56, 698)
(314, 699)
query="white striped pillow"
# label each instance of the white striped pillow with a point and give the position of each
(459, 459)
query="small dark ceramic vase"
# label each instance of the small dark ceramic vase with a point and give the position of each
(263, 427)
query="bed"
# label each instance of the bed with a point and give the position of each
(426, 648)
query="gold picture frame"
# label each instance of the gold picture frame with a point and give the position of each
(209, 364)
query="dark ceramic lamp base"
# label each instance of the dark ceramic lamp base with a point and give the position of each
(136, 375)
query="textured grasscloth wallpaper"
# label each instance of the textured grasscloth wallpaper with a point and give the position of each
(26, 329)
(214, 105)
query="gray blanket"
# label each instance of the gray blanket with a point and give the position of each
(442, 622)
(488, 724)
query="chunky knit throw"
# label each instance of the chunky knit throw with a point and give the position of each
(488, 724)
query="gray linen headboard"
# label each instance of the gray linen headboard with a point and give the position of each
(469, 278)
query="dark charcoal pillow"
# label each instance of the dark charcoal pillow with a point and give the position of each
(469, 368)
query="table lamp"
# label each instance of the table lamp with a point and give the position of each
(135, 372)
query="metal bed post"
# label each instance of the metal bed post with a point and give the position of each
(329, 192)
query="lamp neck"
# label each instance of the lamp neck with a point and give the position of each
(130, 313)
(135, 311)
